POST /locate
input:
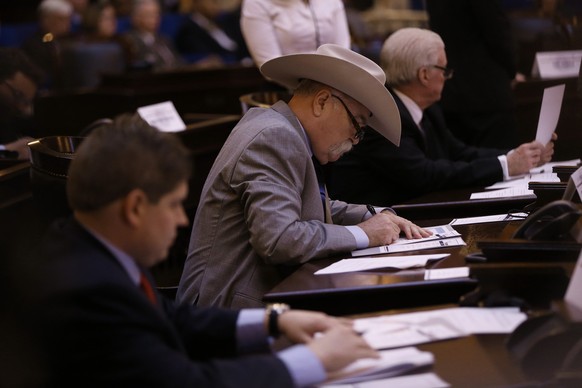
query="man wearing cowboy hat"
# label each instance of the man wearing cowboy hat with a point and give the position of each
(261, 212)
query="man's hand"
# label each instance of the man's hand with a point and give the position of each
(20, 146)
(548, 151)
(339, 347)
(524, 158)
(300, 326)
(384, 228)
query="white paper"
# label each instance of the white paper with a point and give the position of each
(407, 329)
(486, 219)
(573, 296)
(449, 242)
(391, 363)
(550, 112)
(503, 193)
(446, 273)
(368, 263)
(162, 116)
(576, 179)
(418, 380)
(438, 232)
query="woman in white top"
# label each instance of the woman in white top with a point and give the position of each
(272, 28)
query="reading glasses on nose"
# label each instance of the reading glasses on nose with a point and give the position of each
(447, 71)
(360, 130)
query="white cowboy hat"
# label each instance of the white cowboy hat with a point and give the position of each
(344, 70)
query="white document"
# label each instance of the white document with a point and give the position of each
(550, 112)
(391, 363)
(557, 64)
(486, 219)
(418, 380)
(574, 185)
(162, 116)
(503, 193)
(446, 273)
(389, 331)
(368, 263)
(448, 242)
(573, 298)
(524, 181)
(438, 232)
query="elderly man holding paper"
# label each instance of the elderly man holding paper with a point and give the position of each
(429, 158)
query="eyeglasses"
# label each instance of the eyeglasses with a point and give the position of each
(360, 130)
(447, 72)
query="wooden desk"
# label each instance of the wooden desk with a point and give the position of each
(494, 282)
(352, 293)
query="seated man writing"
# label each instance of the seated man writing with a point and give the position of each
(263, 209)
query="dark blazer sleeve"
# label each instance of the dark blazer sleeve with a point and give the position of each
(378, 172)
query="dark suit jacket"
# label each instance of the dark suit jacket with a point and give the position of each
(195, 42)
(380, 173)
(99, 329)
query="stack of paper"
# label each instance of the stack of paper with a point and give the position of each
(390, 331)
(391, 363)
(520, 185)
(418, 380)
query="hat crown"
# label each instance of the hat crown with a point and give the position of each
(340, 52)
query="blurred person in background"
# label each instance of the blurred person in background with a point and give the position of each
(146, 47)
(19, 80)
(45, 46)
(272, 28)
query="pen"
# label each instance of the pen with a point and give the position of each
(371, 209)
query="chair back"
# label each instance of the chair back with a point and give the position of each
(50, 158)
(262, 99)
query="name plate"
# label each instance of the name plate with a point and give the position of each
(162, 116)
(557, 64)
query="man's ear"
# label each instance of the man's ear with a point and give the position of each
(319, 101)
(133, 207)
(422, 75)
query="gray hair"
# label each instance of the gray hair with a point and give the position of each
(60, 7)
(407, 50)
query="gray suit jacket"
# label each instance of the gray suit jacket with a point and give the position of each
(260, 214)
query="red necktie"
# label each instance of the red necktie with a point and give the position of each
(147, 288)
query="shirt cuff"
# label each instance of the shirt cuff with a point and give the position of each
(504, 166)
(251, 333)
(362, 240)
(2, 147)
(304, 367)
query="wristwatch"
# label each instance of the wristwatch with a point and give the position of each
(273, 311)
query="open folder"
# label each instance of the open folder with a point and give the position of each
(442, 236)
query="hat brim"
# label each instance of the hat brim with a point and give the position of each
(344, 76)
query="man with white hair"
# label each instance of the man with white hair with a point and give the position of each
(146, 47)
(44, 47)
(263, 209)
(429, 158)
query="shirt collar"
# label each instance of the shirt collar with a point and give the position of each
(413, 108)
(126, 261)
